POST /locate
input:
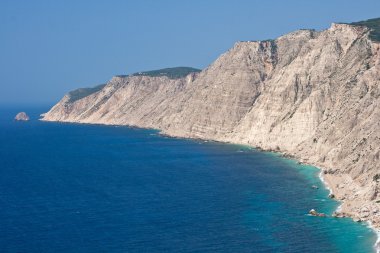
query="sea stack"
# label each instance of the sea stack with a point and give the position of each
(22, 116)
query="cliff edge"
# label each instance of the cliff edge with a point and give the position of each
(312, 95)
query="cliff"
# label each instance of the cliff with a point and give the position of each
(312, 95)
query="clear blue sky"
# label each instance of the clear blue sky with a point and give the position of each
(51, 47)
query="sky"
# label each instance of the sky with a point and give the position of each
(48, 48)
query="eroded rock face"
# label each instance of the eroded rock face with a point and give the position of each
(22, 116)
(312, 95)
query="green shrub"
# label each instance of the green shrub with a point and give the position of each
(373, 24)
(83, 92)
(172, 73)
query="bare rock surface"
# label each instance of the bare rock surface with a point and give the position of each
(312, 95)
(22, 116)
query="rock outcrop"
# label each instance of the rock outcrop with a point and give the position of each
(312, 212)
(22, 116)
(311, 95)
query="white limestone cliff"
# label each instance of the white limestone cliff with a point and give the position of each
(312, 95)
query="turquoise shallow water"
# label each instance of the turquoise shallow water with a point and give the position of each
(86, 188)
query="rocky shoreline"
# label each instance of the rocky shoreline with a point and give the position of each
(344, 210)
(311, 95)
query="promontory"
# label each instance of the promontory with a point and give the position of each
(313, 95)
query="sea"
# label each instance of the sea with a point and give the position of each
(94, 188)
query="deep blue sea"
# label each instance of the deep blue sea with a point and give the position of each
(92, 188)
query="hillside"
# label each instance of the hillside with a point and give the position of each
(172, 73)
(311, 95)
(83, 92)
(373, 24)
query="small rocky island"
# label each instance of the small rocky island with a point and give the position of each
(312, 212)
(22, 116)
